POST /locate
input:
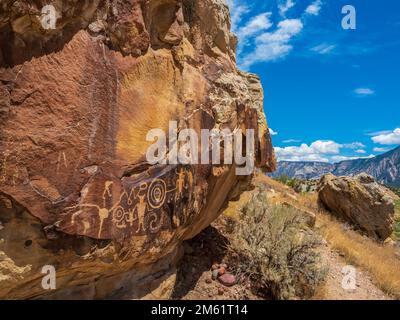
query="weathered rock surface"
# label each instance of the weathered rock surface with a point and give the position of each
(305, 186)
(76, 104)
(360, 201)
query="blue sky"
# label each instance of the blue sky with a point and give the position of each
(330, 94)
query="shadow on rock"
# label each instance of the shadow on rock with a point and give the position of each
(206, 249)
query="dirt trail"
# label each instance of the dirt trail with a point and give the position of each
(332, 289)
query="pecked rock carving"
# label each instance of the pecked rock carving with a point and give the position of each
(76, 104)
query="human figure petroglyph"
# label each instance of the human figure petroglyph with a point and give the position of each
(107, 191)
(103, 214)
(141, 209)
(180, 183)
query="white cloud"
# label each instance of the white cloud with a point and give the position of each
(380, 150)
(300, 153)
(291, 141)
(284, 6)
(388, 138)
(354, 145)
(237, 13)
(361, 151)
(378, 133)
(272, 132)
(254, 31)
(256, 25)
(323, 48)
(271, 46)
(364, 92)
(316, 151)
(326, 147)
(320, 150)
(314, 8)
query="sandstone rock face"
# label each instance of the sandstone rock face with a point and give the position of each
(360, 201)
(76, 104)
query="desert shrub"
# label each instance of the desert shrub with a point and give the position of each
(397, 219)
(395, 190)
(273, 246)
(397, 206)
(286, 180)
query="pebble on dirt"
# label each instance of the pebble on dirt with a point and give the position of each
(221, 271)
(215, 274)
(215, 266)
(227, 279)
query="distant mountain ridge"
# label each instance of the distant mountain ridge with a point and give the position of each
(385, 168)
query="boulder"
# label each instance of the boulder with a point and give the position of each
(360, 201)
(76, 104)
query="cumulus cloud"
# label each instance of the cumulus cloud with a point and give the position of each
(300, 153)
(320, 150)
(256, 42)
(256, 25)
(271, 46)
(326, 147)
(364, 92)
(389, 138)
(316, 151)
(314, 8)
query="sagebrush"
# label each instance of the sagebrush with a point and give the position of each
(273, 246)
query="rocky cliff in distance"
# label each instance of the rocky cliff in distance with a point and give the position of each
(303, 170)
(76, 104)
(384, 168)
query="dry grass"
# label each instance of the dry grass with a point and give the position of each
(380, 261)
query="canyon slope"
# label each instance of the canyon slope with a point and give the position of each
(76, 104)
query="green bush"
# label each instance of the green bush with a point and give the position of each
(395, 190)
(397, 206)
(286, 180)
(274, 247)
(397, 217)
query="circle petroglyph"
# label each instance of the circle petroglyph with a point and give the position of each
(157, 193)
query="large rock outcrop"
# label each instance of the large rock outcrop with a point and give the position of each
(360, 201)
(76, 104)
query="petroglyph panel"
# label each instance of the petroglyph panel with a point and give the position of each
(134, 206)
